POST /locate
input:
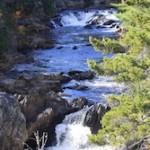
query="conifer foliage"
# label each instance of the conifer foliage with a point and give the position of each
(129, 119)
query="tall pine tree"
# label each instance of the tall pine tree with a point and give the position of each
(129, 119)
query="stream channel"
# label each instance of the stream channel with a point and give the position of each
(71, 51)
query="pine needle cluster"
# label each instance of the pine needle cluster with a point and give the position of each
(129, 118)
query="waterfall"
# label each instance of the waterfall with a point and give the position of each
(83, 18)
(72, 135)
(77, 19)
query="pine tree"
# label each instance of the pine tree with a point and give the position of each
(129, 119)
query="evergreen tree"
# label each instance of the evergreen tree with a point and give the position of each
(129, 119)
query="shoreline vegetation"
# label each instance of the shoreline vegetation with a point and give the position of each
(127, 123)
(22, 27)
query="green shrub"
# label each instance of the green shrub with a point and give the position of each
(128, 119)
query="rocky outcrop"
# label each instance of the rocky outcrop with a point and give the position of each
(81, 75)
(42, 107)
(35, 105)
(77, 86)
(28, 83)
(43, 111)
(13, 131)
(93, 117)
(79, 103)
(55, 77)
(34, 42)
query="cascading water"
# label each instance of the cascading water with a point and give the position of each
(71, 51)
(82, 18)
(72, 135)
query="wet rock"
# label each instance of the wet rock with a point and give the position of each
(13, 131)
(97, 19)
(47, 85)
(89, 26)
(60, 47)
(109, 22)
(27, 83)
(51, 25)
(81, 75)
(14, 86)
(43, 111)
(12, 59)
(79, 103)
(93, 117)
(74, 72)
(59, 77)
(100, 26)
(88, 44)
(77, 87)
(75, 47)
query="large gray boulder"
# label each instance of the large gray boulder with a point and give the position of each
(43, 111)
(81, 75)
(13, 131)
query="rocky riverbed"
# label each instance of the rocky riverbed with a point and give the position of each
(34, 99)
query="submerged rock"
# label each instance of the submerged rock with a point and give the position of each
(13, 131)
(74, 47)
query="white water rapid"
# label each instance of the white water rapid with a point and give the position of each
(82, 18)
(72, 135)
(70, 33)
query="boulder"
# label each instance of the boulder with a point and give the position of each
(14, 86)
(79, 103)
(57, 21)
(43, 111)
(74, 47)
(13, 131)
(88, 26)
(93, 117)
(109, 22)
(27, 83)
(81, 75)
(97, 19)
(54, 77)
(34, 42)
(76, 87)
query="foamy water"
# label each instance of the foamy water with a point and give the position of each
(72, 135)
(82, 18)
(76, 138)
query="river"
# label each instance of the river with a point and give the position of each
(72, 29)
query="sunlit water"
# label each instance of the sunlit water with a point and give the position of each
(72, 135)
(71, 52)
(64, 57)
